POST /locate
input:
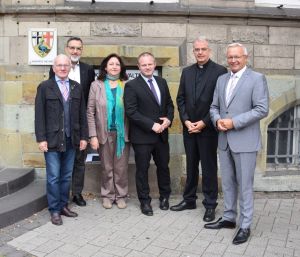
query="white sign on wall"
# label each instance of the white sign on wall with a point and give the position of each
(42, 46)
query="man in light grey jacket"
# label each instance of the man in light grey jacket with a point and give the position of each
(241, 100)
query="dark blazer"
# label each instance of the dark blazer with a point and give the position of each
(143, 111)
(87, 76)
(49, 115)
(194, 105)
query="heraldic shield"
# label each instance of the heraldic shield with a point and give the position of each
(42, 42)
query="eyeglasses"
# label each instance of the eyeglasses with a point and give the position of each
(200, 49)
(62, 65)
(232, 58)
(73, 48)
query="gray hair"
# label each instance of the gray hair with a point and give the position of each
(238, 45)
(61, 56)
(201, 39)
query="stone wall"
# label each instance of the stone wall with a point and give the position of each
(272, 37)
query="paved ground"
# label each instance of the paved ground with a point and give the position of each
(107, 233)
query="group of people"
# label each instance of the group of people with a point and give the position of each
(218, 109)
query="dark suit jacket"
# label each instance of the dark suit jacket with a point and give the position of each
(194, 105)
(143, 111)
(87, 76)
(49, 115)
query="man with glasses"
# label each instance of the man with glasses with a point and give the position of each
(84, 74)
(60, 128)
(241, 100)
(194, 97)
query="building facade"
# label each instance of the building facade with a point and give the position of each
(167, 28)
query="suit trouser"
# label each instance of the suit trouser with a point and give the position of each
(199, 148)
(114, 176)
(78, 171)
(161, 156)
(237, 170)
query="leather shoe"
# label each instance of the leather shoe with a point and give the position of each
(183, 205)
(68, 213)
(209, 215)
(220, 224)
(241, 236)
(164, 204)
(56, 219)
(78, 199)
(146, 209)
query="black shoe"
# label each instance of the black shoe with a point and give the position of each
(209, 215)
(164, 204)
(220, 224)
(183, 205)
(68, 213)
(78, 199)
(241, 236)
(146, 209)
(56, 219)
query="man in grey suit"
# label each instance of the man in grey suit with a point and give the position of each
(241, 100)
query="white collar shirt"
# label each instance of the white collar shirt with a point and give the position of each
(155, 86)
(75, 73)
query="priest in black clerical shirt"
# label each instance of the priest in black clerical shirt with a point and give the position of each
(200, 138)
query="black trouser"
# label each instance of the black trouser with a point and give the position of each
(198, 147)
(161, 156)
(78, 172)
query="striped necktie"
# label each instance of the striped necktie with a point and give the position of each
(65, 90)
(230, 87)
(153, 90)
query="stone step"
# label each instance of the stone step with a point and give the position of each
(14, 179)
(23, 203)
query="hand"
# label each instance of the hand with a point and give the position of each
(189, 125)
(43, 146)
(166, 122)
(83, 144)
(220, 125)
(225, 124)
(228, 123)
(94, 143)
(157, 128)
(197, 127)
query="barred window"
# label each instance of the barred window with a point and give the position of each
(283, 139)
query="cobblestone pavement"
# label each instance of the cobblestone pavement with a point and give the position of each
(107, 233)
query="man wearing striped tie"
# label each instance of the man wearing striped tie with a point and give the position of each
(60, 128)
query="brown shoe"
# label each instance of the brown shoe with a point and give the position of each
(68, 213)
(56, 219)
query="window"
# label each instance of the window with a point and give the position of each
(283, 140)
(126, 1)
(277, 3)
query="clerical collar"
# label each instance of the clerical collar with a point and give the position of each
(202, 66)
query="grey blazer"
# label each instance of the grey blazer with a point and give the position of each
(249, 103)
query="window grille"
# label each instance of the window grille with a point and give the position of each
(283, 139)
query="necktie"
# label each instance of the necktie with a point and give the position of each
(153, 90)
(65, 90)
(230, 88)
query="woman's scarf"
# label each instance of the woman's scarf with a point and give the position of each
(119, 113)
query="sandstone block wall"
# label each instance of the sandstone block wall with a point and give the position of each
(272, 39)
